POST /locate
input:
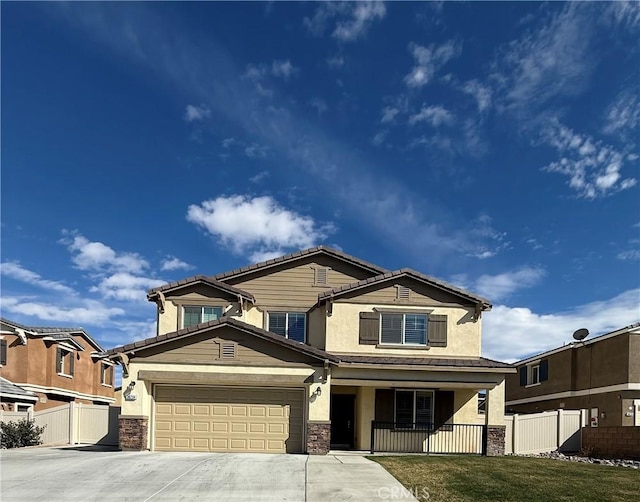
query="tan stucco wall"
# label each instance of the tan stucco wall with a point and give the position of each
(344, 324)
(494, 414)
(465, 405)
(168, 320)
(365, 413)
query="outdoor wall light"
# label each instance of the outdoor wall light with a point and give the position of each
(318, 391)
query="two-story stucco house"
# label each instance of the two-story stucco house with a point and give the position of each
(52, 366)
(601, 374)
(309, 351)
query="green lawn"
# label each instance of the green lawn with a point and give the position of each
(501, 479)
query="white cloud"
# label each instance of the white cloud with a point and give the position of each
(513, 333)
(95, 256)
(173, 263)
(629, 255)
(361, 17)
(319, 105)
(259, 177)
(480, 92)
(379, 138)
(389, 114)
(435, 115)
(87, 312)
(14, 270)
(125, 287)
(255, 151)
(195, 113)
(353, 19)
(428, 60)
(500, 286)
(593, 168)
(283, 69)
(625, 13)
(552, 60)
(623, 115)
(256, 226)
(335, 62)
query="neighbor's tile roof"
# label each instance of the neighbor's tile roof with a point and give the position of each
(64, 332)
(206, 280)
(476, 362)
(226, 321)
(7, 387)
(403, 272)
(300, 254)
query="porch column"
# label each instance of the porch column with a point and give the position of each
(319, 418)
(494, 421)
(365, 413)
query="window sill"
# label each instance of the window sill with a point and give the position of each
(531, 385)
(65, 375)
(402, 346)
(106, 385)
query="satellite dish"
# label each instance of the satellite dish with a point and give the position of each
(581, 334)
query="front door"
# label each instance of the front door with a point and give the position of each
(342, 421)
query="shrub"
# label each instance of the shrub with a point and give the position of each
(21, 433)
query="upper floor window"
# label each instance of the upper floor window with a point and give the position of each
(534, 373)
(193, 315)
(65, 361)
(403, 329)
(106, 374)
(292, 325)
(3, 352)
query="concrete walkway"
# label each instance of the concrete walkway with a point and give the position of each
(84, 474)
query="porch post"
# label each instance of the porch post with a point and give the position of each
(319, 417)
(495, 427)
(365, 414)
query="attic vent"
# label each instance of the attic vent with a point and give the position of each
(404, 293)
(228, 350)
(321, 276)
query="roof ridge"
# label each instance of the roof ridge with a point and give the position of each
(204, 278)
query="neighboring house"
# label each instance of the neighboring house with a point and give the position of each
(601, 375)
(54, 365)
(306, 352)
(14, 398)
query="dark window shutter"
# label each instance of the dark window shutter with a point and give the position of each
(369, 328)
(443, 407)
(544, 370)
(437, 331)
(72, 361)
(58, 360)
(384, 405)
(3, 352)
(523, 376)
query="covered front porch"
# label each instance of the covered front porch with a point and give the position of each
(409, 411)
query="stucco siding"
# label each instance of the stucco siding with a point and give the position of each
(634, 358)
(463, 335)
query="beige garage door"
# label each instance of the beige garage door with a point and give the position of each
(228, 419)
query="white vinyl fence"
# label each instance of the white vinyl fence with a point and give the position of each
(544, 432)
(73, 423)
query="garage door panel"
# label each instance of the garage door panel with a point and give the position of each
(231, 419)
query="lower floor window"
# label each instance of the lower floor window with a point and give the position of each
(413, 408)
(292, 325)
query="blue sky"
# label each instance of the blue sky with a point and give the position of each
(493, 145)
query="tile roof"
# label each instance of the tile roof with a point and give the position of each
(301, 254)
(204, 279)
(476, 362)
(226, 321)
(403, 272)
(49, 331)
(9, 388)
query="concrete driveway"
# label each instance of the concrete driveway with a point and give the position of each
(82, 474)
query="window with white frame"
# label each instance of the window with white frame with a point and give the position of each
(65, 361)
(403, 329)
(534, 373)
(292, 325)
(413, 408)
(106, 374)
(192, 315)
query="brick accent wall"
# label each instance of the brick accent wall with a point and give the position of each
(318, 438)
(612, 442)
(132, 433)
(495, 440)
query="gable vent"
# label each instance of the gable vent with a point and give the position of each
(321, 276)
(228, 350)
(404, 293)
